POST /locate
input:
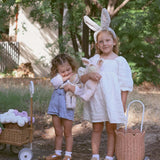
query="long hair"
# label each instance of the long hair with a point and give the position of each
(115, 47)
(59, 60)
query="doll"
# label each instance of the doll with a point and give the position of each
(71, 97)
(90, 85)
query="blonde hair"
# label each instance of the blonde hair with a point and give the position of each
(115, 47)
(59, 60)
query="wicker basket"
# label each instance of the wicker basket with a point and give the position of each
(15, 135)
(130, 143)
(14, 126)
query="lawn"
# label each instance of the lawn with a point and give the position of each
(14, 93)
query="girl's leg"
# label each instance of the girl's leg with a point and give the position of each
(110, 128)
(58, 126)
(96, 136)
(68, 134)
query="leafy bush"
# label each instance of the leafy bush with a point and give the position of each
(138, 30)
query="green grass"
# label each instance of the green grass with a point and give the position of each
(15, 95)
(18, 97)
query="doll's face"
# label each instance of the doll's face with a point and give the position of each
(72, 78)
(64, 69)
(92, 68)
(105, 42)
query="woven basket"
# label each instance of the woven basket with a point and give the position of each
(15, 135)
(14, 126)
(130, 143)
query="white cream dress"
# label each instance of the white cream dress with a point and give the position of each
(106, 104)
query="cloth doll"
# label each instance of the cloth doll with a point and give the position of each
(71, 97)
(90, 85)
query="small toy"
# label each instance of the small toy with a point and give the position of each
(70, 97)
(90, 85)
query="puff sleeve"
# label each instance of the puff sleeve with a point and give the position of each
(124, 75)
(57, 81)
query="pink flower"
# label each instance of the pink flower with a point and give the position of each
(33, 119)
(0, 130)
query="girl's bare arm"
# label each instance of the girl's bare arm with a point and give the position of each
(67, 77)
(124, 95)
(92, 75)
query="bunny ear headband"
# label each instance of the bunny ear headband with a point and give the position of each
(105, 22)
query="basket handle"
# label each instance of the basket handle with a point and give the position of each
(31, 87)
(142, 113)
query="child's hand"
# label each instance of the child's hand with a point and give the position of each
(69, 87)
(95, 76)
(67, 77)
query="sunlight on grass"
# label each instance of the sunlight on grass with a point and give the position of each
(16, 95)
(150, 98)
(13, 97)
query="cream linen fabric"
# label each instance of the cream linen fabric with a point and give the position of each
(106, 104)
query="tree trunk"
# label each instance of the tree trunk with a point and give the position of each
(74, 41)
(85, 40)
(79, 38)
(60, 28)
(85, 34)
(111, 6)
(72, 29)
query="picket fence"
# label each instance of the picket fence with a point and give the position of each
(9, 56)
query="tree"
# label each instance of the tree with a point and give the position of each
(137, 25)
(6, 11)
(95, 7)
(135, 22)
(59, 18)
(67, 16)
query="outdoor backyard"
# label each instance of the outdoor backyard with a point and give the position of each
(33, 32)
(15, 94)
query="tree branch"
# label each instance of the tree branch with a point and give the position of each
(111, 6)
(147, 4)
(119, 7)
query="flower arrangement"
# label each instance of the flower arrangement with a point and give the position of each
(14, 116)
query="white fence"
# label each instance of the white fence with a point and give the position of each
(9, 56)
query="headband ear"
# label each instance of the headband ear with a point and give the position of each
(105, 22)
(91, 24)
(105, 19)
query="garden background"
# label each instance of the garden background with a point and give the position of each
(137, 24)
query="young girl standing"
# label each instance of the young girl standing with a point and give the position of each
(63, 67)
(107, 105)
